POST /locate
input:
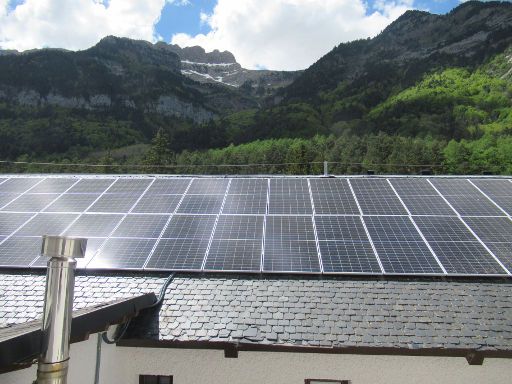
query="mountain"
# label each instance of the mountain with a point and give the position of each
(341, 88)
(222, 67)
(115, 74)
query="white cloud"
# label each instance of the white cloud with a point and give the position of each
(289, 34)
(76, 24)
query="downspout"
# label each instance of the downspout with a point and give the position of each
(58, 306)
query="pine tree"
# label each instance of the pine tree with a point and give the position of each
(158, 153)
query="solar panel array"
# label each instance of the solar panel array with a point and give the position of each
(358, 225)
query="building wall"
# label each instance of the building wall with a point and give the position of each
(123, 365)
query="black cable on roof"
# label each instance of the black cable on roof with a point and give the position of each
(122, 330)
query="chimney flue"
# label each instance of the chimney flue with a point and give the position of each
(58, 306)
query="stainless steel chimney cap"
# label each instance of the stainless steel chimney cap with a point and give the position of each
(63, 247)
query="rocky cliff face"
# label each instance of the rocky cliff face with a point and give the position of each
(115, 73)
(222, 67)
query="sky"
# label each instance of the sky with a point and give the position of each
(272, 34)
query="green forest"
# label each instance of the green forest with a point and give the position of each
(453, 121)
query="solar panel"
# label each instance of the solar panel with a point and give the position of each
(142, 226)
(6, 198)
(114, 203)
(208, 186)
(72, 202)
(400, 247)
(129, 186)
(190, 227)
(234, 255)
(500, 191)
(245, 204)
(290, 204)
(178, 254)
(333, 196)
(348, 257)
(9, 222)
(304, 225)
(427, 205)
(342, 228)
(46, 224)
(157, 204)
(201, 204)
(90, 225)
(290, 245)
(473, 205)
(30, 202)
(249, 186)
(123, 254)
(239, 228)
(456, 247)
(168, 187)
(53, 185)
(19, 251)
(376, 197)
(96, 186)
(412, 187)
(18, 185)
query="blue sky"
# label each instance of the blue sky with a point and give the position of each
(186, 18)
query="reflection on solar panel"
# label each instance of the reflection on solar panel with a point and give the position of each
(255, 224)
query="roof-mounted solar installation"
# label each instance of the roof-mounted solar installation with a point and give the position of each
(445, 226)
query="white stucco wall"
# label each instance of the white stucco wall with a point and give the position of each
(123, 365)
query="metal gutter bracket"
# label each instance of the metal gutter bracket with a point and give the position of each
(58, 306)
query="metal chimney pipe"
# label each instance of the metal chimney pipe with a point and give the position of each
(58, 306)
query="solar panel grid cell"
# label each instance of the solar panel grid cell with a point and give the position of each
(113, 203)
(208, 186)
(93, 225)
(245, 204)
(53, 185)
(190, 227)
(427, 205)
(19, 251)
(95, 186)
(412, 187)
(123, 254)
(248, 187)
(168, 187)
(157, 204)
(494, 187)
(30, 202)
(290, 204)
(348, 257)
(141, 226)
(234, 255)
(239, 228)
(341, 228)
(46, 224)
(72, 202)
(9, 222)
(129, 186)
(6, 198)
(201, 204)
(333, 196)
(18, 185)
(178, 254)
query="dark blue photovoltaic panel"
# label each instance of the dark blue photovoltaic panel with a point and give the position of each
(208, 186)
(72, 202)
(500, 191)
(234, 255)
(53, 185)
(341, 228)
(142, 226)
(248, 187)
(95, 186)
(19, 251)
(201, 204)
(47, 224)
(413, 187)
(30, 202)
(333, 197)
(245, 204)
(427, 205)
(178, 254)
(123, 254)
(400, 247)
(18, 185)
(190, 227)
(168, 187)
(9, 222)
(376, 197)
(157, 204)
(348, 257)
(290, 245)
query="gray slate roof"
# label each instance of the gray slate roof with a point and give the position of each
(303, 312)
